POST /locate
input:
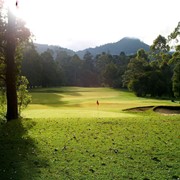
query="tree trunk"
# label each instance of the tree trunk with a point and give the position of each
(11, 94)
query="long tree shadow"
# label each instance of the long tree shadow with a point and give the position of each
(52, 97)
(18, 152)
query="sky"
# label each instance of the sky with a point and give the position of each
(80, 24)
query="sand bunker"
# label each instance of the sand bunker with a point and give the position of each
(160, 109)
(167, 109)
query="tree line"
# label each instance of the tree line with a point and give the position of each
(154, 73)
(45, 70)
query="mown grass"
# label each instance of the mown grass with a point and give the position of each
(81, 102)
(67, 137)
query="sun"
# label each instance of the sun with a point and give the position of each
(30, 11)
(19, 8)
(11, 5)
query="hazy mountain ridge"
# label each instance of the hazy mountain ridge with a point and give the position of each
(43, 47)
(127, 45)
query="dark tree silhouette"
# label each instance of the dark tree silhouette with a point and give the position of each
(11, 94)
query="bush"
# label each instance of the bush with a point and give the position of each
(23, 96)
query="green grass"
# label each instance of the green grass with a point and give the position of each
(65, 136)
(81, 102)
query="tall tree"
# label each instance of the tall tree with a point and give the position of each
(160, 45)
(175, 61)
(11, 94)
(32, 66)
(51, 75)
(176, 80)
(135, 69)
(12, 34)
(89, 75)
(175, 64)
(76, 67)
(175, 34)
(110, 74)
(159, 48)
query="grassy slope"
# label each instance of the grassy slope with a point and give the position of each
(67, 137)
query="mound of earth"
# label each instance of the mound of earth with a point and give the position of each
(167, 109)
(160, 109)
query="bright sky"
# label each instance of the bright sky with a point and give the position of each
(79, 24)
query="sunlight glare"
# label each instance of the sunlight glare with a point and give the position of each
(77, 24)
(11, 5)
(20, 8)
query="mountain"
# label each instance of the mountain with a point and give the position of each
(127, 45)
(43, 47)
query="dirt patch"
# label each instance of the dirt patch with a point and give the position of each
(167, 109)
(139, 109)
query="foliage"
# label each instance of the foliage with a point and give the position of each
(50, 72)
(175, 61)
(23, 96)
(176, 80)
(175, 34)
(134, 77)
(47, 71)
(32, 66)
(2, 104)
(155, 73)
(160, 45)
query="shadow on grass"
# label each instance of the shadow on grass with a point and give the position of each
(18, 152)
(72, 92)
(52, 97)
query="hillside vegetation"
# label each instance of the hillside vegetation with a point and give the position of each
(64, 135)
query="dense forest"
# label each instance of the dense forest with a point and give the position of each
(153, 73)
(65, 70)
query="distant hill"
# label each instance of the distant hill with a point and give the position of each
(43, 47)
(127, 45)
